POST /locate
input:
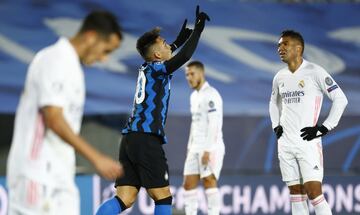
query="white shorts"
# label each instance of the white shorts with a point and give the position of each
(28, 197)
(301, 162)
(193, 165)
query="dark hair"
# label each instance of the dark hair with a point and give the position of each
(196, 63)
(103, 22)
(294, 35)
(146, 41)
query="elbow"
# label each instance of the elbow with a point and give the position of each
(51, 123)
(343, 102)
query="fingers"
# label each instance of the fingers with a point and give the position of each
(184, 25)
(303, 134)
(197, 10)
(206, 16)
(305, 129)
(110, 169)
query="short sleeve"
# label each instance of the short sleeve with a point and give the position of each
(213, 102)
(51, 83)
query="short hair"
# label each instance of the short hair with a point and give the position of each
(144, 42)
(294, 35)
(103, 22)
(197, 64)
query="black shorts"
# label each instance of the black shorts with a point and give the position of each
(143, 160)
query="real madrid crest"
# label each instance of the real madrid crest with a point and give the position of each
(328, 81)
(302, 84)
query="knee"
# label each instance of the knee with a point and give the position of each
(189, 185)
(210, 182)
(127, 195)
(159, 193)
(297, 189)
(128, 202)
(313, 189)
(313, 193)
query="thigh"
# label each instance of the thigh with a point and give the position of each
(27, 197)
(191, 166)
(215, 165)
(191, 181)
(289, 166)
(310, 159)
(130, 177)
(65, 200)
(149, 161)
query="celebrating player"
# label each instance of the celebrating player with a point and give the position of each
(141, 151)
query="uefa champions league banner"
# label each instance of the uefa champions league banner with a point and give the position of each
(255, 195)
(238, 48)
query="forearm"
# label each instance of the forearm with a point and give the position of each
(274, 111)
(336, 111)
(55, 121)
(212, 136)
(184, 54)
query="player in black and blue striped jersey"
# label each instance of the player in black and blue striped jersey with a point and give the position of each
(141, 152)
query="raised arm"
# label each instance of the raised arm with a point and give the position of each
(188, 49)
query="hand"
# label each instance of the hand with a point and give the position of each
(205, 159)
(278, 131)
(108, 168)
(309, 133)
(200, 19)
(183, 35)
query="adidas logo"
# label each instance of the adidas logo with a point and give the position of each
(316, 167)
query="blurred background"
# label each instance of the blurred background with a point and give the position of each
(239, 50)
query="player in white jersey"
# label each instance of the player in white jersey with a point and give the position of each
(41, 163)
(206, 149)
(295, 105)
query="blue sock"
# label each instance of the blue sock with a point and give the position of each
(162, 210)
(110, 207)
(163, 206)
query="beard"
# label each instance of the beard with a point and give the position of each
(197, 84)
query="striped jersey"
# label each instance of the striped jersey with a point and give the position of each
(151, 100)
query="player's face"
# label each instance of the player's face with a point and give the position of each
(194, 76)
(162, 49)
(100, 48)
(288, 49)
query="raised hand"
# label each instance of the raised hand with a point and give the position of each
(183, 35)
(201, 17)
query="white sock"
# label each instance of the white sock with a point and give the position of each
(321, 206)
(213, 201)
(299, 204)
(191, 201)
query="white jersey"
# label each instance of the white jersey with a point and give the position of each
(54, 78)
(207, 119)
(297, 97)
